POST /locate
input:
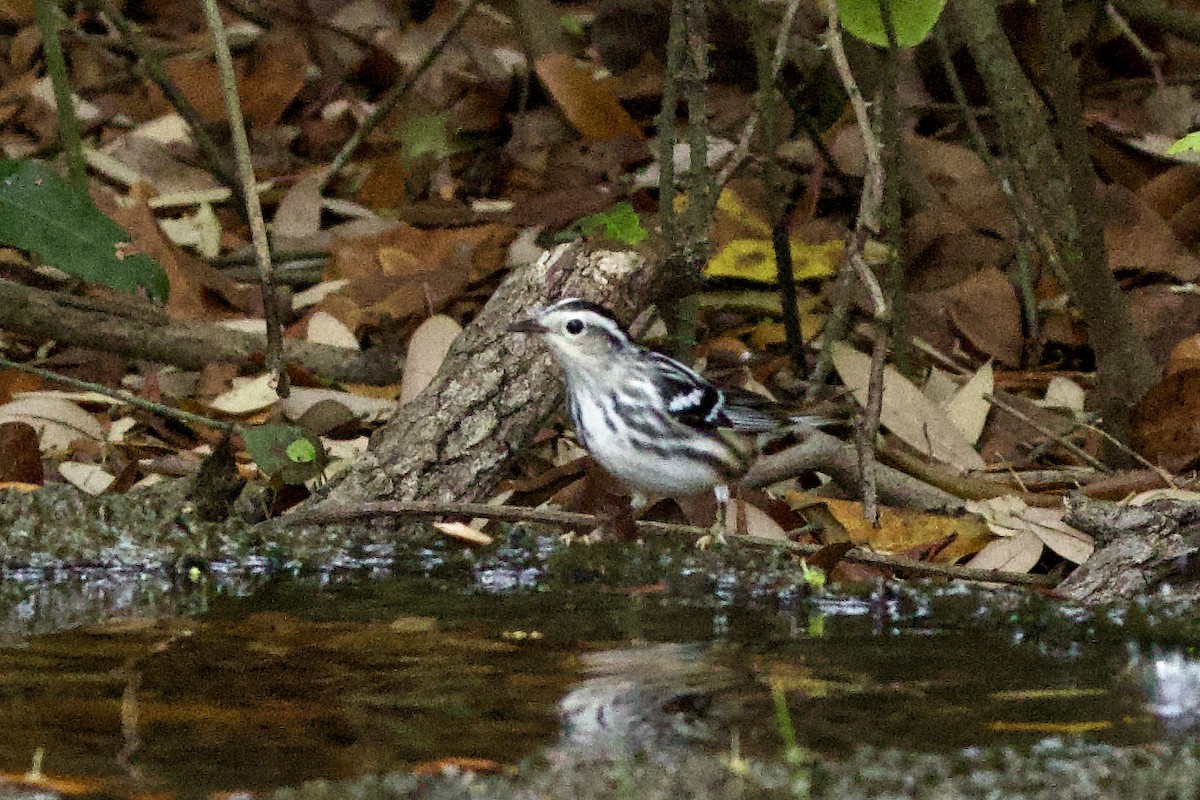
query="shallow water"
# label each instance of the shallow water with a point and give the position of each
(330, 679)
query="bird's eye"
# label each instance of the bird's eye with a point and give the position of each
(575, 327)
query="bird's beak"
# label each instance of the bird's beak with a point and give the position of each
(530, 325)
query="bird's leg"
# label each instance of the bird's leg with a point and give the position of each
(716, 534)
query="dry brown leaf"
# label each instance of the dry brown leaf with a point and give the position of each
(968, 409)
(1064, 394)
(1166, 422)
(13, 382)
(1008, 438)
(20, 456)
(757, 522)
(1172, 189)
(384, 182)
(965, 184)
(58, 422)
(985, 310)
(247, 396)
(589, 105)
(1047, 524)
(427, 350)
(316, 293)
(299, 212)
(464, 533)
(1018, 553)
(945, 317)
(369, 409)
(324, 328)
(266, 89)
(89, 478)
(158, 164)
(194, 284)
(1185, 356)
(1011, 516)
(1163, 317)
(939, 387)
(406, 270)
(1138, 239)
(906, 413)
(277, 76)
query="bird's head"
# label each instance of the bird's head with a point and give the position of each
(584, 337)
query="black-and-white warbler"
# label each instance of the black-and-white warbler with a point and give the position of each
(653, 423)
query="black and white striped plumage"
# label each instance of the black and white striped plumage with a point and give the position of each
(652, 422)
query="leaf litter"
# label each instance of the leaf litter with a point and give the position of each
(473, 166)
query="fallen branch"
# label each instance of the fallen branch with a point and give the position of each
(332, 515)
(820, 452)
(140, 331)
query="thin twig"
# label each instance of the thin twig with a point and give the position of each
(785, 276)
(124, 397)
(150, 63)
(1079, 452)
(742, 150)
(869, 217)
(258, 228)
(566, 519)
(701, 194)
(1152, 59)
(394, 95)
(783, 198)
(1167, 477)
(47, 14)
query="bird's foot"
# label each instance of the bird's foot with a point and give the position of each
(589, 538)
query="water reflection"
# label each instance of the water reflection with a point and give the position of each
(302, 681)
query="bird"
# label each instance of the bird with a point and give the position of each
(653, 423)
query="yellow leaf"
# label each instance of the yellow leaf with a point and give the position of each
(754, 259)
(730, 204)
(766, 334)
(903, 529)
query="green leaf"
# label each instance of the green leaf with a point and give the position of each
(620, 222)
(301, 451)
(286, 452)
(40, 213)
(1188, 144)
(912, 20)
(427, 134)
(813, 576)
(573, 24)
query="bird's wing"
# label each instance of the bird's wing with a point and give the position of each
(751, 412)
(688, 397)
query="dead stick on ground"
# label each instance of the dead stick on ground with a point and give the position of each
(332, 515)
(138, 330)
(1075, 449)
